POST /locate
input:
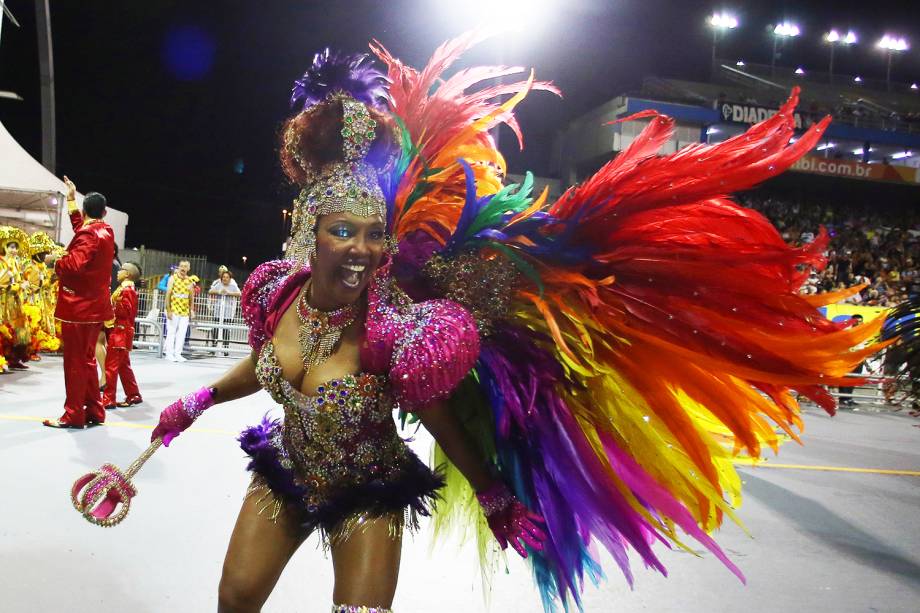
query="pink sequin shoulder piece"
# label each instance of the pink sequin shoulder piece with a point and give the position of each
(259, 292)
(426, 347)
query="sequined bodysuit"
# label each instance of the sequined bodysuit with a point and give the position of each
(340, 455)
(337, 456)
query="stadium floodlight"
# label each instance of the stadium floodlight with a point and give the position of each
(824, 146)
(914, 86)
(800, 71)
(712, 130)
(833, 38)
(857, 79)
(739, 63)
(719, 22)
(900, 155)
(723, 21)
(786, 29)
(782, 30)
(891, 44)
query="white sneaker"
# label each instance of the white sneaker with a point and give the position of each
(169, 357)
(180, 358)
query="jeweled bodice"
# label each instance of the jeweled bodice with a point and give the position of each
(341, 435)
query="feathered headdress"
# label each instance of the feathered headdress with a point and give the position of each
(349, 181)
(333, 72)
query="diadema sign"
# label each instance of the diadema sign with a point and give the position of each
(750, 114)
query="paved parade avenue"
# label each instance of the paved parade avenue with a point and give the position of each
(839, 540)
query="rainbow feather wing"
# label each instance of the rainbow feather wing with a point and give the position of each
(445, 122)
(654, 333)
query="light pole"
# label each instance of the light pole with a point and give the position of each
(781, 30)
(719, 22)
(833, 38)
(891, 44)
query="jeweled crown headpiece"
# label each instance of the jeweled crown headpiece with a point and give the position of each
(349, 184)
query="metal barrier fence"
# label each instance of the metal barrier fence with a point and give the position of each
(216, 329)
(879, 389)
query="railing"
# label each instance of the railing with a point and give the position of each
(217, 328)
(879, 388)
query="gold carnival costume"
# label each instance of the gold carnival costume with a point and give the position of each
(15, 338)
(41, 296)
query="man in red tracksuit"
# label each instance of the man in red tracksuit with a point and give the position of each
(83, 307)
(121, 339)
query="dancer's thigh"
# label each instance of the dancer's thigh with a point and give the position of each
(367, 566)
(259, 550)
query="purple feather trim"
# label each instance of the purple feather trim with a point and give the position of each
(257, 442)
(415, 486)
(333, 72)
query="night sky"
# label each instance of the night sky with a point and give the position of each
(172, 108)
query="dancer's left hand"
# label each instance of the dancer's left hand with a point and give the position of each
(510, 521)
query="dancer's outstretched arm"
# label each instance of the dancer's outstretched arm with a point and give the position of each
(238, 382)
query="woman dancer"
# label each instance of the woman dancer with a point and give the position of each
(336, 342)
(610, 334)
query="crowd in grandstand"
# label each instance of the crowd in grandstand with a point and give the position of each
(878, 247)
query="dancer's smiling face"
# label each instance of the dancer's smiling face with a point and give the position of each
(349, 249)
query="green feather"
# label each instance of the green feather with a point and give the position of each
(512, 198)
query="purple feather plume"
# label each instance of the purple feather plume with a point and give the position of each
(550, 464)
(332, 71)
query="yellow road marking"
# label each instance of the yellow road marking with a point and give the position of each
(841, 469)
(120, 424)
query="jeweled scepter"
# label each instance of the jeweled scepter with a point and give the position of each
(97, 495)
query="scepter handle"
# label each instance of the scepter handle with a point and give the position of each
(139, 462)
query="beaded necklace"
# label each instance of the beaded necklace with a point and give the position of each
(320, 331)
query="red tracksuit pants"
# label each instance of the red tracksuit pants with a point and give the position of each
(81, 381)
(118, 366)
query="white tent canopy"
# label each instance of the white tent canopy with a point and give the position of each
(32, 198)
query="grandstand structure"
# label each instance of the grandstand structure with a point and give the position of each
(874, 137)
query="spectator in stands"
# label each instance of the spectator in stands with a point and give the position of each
(871, 245)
